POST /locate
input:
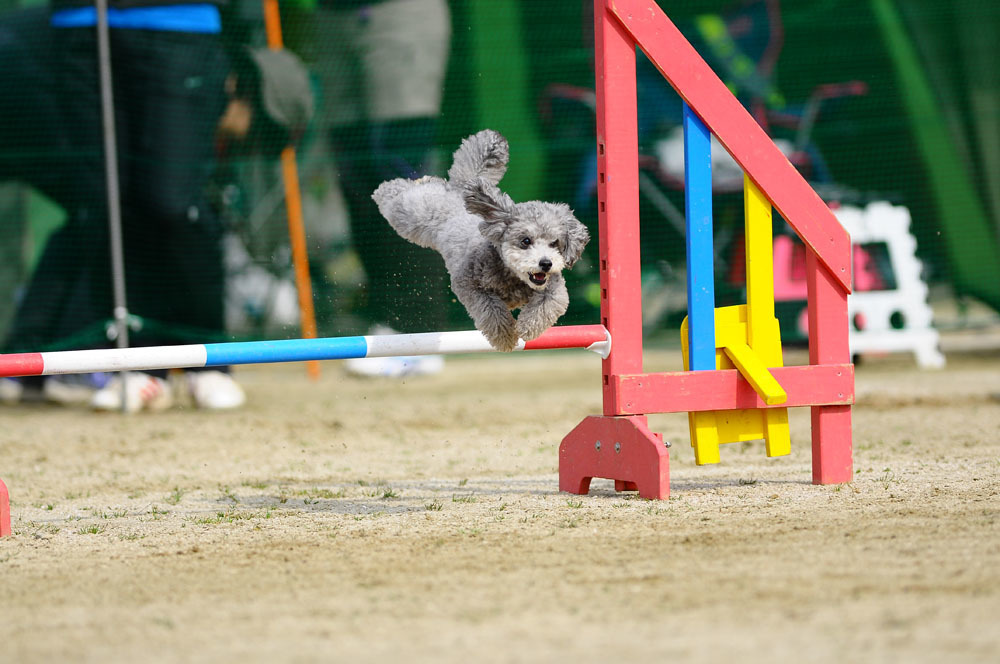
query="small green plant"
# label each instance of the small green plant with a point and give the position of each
(887, 478)
(434, 506)
(750, 481)
(175, 496)
(323, 493)
(575, 504)
(388, 493)
(229, 516)
(468, 498)
(463, 482)
(93, 529)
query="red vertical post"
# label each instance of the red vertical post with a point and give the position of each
(618, 197)
(4, 510)
(618, 448)
(828, 344)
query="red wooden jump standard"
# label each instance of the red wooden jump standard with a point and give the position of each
(4, 510)
(618, 444)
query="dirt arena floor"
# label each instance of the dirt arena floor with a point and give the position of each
(420, 520)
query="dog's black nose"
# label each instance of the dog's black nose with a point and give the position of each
(545, 264)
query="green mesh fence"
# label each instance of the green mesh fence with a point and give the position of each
(873, 99)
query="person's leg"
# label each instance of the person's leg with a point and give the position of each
(401, 50)
(171, 91)
(406, 284)
(69, 291)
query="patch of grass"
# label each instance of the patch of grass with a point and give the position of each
(434, 506)
(115, 513)
(574, 504)
(227, 494)
(463, 482)
(388, 493)
(175, 496)
(468, 498)
(887, 478)
(93, 529)
(750, 481)
(228, 516)
(322, 493)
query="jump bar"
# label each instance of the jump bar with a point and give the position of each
(594, 338)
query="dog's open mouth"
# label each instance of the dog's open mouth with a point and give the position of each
(537, 278)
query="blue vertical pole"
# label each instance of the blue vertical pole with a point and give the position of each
(700, 256)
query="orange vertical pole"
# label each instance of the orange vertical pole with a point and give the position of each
(293, 205)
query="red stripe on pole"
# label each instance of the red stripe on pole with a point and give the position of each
(21, 364)
(568, 336)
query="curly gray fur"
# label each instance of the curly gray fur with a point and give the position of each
(501, 255)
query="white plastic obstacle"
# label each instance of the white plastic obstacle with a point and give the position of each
(594, 338)
(897, 319)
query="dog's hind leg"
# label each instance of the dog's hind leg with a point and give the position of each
(542, 311)
(419, 210)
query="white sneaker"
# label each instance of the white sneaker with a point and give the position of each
(73, 388)
(394, 367)
(11, 390)
(215, 390)
(142, 392)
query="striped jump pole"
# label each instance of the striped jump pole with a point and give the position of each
(594, 338)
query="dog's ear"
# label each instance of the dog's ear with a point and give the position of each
(575, 240)
(495, 208)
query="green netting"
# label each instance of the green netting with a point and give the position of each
(207, 247)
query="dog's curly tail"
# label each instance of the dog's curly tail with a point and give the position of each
(482, 155)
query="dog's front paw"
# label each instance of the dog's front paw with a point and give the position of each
(530, 327)
(503, 339)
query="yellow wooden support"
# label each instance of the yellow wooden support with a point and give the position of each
(756, 373)
(760, 270)
(747, 338)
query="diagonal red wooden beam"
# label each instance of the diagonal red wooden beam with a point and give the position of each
(736, 129)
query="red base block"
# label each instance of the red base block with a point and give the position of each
(615, 448)
(4, 510)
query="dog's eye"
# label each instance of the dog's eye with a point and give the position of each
(525, 242)
(554, 245)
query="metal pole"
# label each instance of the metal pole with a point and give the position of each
(112, 184)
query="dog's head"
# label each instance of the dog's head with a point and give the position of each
(535, 240)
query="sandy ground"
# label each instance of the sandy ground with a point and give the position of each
(419, 520)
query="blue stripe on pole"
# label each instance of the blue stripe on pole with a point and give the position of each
(285, 350)
(700, 254)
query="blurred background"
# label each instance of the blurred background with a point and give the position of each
(873, 100)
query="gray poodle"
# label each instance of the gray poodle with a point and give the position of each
(501, 255)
